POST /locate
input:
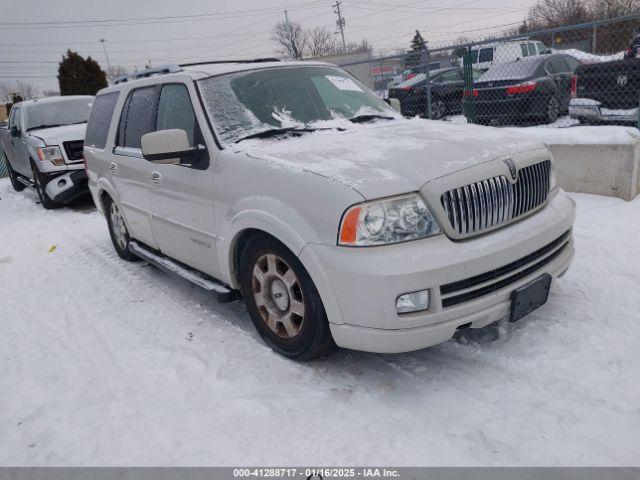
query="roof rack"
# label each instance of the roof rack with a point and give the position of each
(159, 70)
(214, 62)
(175, 68)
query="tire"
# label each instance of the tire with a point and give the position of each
(13, 176)
(40, 184)
(552, 112)
(118, 231)
(282, 300)
(438, 110)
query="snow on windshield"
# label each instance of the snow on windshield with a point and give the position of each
(246, 103)
(63, 112)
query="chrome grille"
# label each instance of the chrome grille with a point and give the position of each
(496, 201)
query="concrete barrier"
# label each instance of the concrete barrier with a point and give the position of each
(596, 160)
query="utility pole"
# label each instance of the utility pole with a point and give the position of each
(341, 23)
(104, 47)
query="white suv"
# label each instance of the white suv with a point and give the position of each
(293, 186)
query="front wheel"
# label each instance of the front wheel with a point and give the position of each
(13, 176)
(118, 231)
(40, 183)
(282, 300)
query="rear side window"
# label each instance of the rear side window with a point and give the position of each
(137, 116)
(525, 50)
(485, 55)
(556, 65)
(572, 63)
(100, 119)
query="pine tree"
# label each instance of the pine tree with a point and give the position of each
(80, 76)
(418, 46)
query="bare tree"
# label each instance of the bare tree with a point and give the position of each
(320, 42)
(50, 93)
(115, 71)
(27, 90)
(614, 8)
(556, 13)
(291, 38)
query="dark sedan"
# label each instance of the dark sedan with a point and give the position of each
(447, 85)
(534, 89)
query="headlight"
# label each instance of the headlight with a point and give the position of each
(51, 154)
(387, 221)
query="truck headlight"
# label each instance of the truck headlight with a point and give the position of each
(51, 154)
(387, 221)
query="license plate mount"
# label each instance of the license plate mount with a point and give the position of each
(529, 297)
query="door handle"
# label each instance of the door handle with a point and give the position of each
(113, 168)
(156, 178)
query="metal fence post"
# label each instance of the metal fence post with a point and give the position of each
(469, 100)
(426, 57)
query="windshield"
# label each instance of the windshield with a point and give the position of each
(63, 112)
(246, 103)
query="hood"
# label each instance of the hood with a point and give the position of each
(389, 158)
(58, 135)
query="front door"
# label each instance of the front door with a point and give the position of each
(130, 173)
(182, 190)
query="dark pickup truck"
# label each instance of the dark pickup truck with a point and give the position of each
(607, 92)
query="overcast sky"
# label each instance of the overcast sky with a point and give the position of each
(33, 37)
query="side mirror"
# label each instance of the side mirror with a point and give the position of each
(166, 146)
(15, 131)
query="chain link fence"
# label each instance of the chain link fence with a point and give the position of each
(580, 74)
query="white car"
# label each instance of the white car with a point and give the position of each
(293, 186)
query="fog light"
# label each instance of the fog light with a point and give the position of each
(413, 302)
(62, 183)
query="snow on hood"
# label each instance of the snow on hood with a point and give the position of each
(389, 157)
(57, 135)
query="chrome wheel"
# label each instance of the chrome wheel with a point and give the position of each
(278, 296)
(118, 226)
(553, 110)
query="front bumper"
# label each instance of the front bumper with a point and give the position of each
(359, 286)
(588, 110)
(67, 187)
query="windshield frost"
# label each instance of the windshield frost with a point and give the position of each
(245, 103)
(64, 112)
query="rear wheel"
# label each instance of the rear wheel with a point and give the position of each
(552, 110)
(438, 110)
(13, 176)
(118, 231)
(40, 183)
(282, 300)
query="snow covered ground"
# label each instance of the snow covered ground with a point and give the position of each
(103, 362)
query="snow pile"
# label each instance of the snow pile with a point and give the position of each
(585, 57)
(601, 135)
(105, 363)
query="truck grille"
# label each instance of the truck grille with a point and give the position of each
(494, 202)
(494, 280)
(74, 150)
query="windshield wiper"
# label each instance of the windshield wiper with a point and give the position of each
(274, 132)
(45, 125)
(369, 118)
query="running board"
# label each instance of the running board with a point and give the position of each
(25, 181)
(223, 293)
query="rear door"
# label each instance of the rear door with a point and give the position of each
(559, 70)
(130, 173)
(18, 152)
(182, 191)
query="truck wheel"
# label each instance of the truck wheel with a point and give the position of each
(13, 176)
(282, 300)
(41, 184)
(118, 231)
